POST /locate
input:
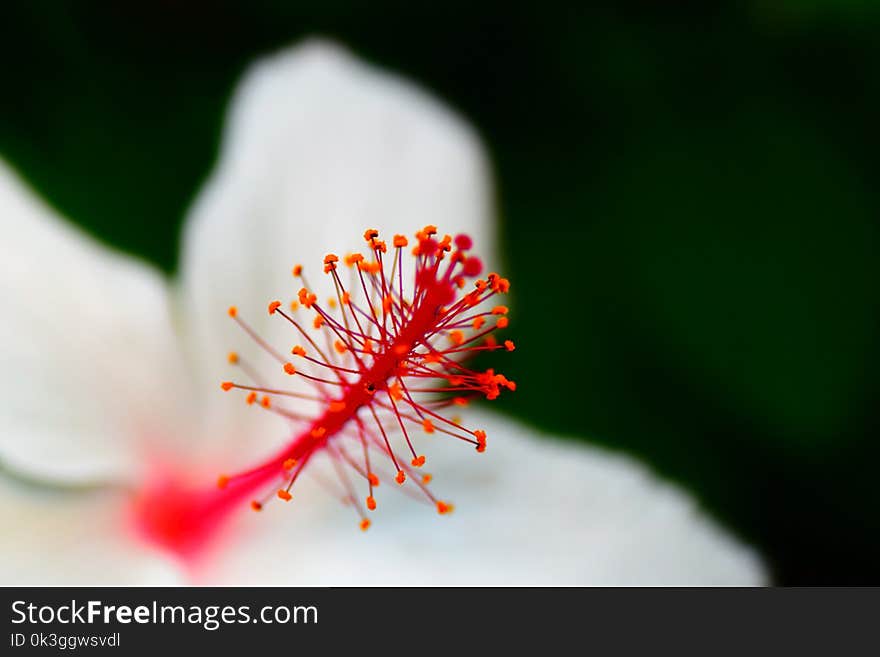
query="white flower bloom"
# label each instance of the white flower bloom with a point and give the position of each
(107, 369)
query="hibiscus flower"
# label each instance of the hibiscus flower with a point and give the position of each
(111, 373)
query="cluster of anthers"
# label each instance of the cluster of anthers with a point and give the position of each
(386, 354)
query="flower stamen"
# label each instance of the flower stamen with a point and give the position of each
(394, 359)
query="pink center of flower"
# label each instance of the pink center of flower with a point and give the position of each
(391, 362)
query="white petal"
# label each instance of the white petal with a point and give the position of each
(531, 510)
(319, 146)
(73, 538)
(88, 366)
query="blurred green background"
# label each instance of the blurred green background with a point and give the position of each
(690, 201)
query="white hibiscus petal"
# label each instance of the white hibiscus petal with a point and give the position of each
(319, 146)
(529, 511)
(74, 538)
(88, 349)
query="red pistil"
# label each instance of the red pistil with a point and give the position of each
(391, 348)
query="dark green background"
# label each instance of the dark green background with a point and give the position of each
(690, 205)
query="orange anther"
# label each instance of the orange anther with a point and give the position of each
(426, 478)
(275, 305)
(337, 406)
(428, 426)
(305, 298)
(370, 234)
(499, 310)
(330, 258)
(374, 480)
(429, 230)
(480, 435)
(371, 503)
(289, 464)
(232, 357)
(227, 385)
(297, 270)
(346, 298)
(418, 461)
(222, 480)
(283, 495)
(294, 305)
(490, 341)
(265, 402)
(386, 304)
(318, 322)
(256, 506)
(331, 302)
(298, 351)
(340, 346)
(478, 323)
(368, 346)
(233, 311)
(400, 240)
(502, 322)
(459, 401)
(365, 524)
(456, 337)
(251, 398)
(497, 283)
(370, 267)
(508, 344)
(353, 259)
(395, 392)
(443, 508)
(289, 368)
(318, 432)
(401, 477)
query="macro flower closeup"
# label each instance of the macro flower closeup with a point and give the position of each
(111, 375)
